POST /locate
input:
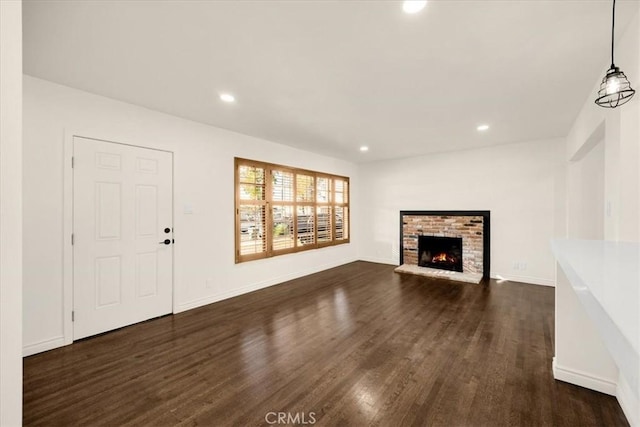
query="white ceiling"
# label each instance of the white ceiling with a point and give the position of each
(330, 76)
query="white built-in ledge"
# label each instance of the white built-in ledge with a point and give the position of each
(605, 277)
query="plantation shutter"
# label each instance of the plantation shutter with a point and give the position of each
(251, 212)
(305, 204)
(341, 209)
(281, 210)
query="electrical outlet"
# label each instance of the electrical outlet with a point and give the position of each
(515, 266)
(209, 283)
(523, 266)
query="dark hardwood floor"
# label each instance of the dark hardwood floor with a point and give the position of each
(355, 345)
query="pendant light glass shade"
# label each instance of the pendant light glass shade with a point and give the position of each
(615, 88)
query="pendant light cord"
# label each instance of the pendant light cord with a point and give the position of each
(613, 26)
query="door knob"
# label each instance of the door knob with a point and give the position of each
(165, 242)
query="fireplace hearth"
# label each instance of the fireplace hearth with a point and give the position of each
(444, 253)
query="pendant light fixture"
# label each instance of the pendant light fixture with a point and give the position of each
(615, 88)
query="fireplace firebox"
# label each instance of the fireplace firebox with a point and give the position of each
(444, 253)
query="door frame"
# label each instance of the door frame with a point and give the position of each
(67, 227)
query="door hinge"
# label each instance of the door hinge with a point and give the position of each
(73, 162)
(73, 240)
(73, 316)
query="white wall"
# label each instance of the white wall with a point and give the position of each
(516, 182)
(10, 213)
(620, 131)
(621, 144)
(203, 178)
(586, 200)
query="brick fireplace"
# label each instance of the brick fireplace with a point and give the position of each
(472, 228)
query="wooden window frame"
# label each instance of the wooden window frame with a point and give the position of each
(268, 204)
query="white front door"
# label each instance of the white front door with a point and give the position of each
(122, 218)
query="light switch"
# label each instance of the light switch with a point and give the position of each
(188, 209)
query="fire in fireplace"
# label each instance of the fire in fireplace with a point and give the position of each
(440, 252)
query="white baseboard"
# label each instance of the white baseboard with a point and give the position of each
(255, 286)
(525, 279)
(629, 402)
(41, 346)
(583, 379)
(379, 260)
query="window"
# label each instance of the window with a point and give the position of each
(280, 210)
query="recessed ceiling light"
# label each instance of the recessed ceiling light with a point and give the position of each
(482, 128)
(364, 148)
(413, 6)
(227, 97)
